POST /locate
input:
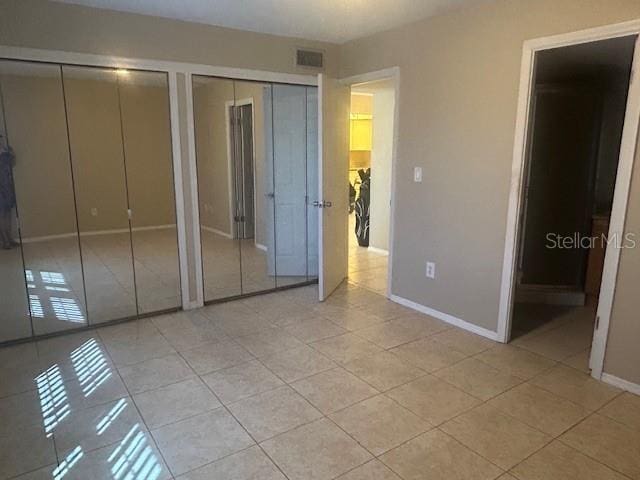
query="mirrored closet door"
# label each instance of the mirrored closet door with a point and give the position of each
(86, 197)
(256, 151)
(41, 262)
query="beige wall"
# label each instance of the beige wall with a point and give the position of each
(211, 152)
(459, 78)
(147, 144)
(67, 27)
(36, 129)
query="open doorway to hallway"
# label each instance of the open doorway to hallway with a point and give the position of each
(370, 161)
(577, 113)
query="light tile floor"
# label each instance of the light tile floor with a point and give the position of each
(58, 281)
(367, 268)
(280, 387)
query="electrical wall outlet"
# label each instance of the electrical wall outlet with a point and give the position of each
(94, 212)
(431, 270)
(417, 174)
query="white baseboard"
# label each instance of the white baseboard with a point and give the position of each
(216, 231)
(445, 317)
(262, 247)
(47, 238)
(621, 383)
(95, 233)
(381, 251)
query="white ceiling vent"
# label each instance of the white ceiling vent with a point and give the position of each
(309, 58)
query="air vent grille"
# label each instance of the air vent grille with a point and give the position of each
(309, 58)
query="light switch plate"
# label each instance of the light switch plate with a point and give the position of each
(431, 270)
(417, 174)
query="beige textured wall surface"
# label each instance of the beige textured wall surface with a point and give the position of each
(147, 144)
(459, 78)
(211, 152)
(57, 26)
(36, 127)
(623, 353)
(99, 157)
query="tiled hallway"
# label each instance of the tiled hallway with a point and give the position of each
(279, 386)
(367, 268)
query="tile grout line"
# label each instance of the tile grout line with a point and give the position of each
(243, 427)
(157, 448)
(341, 365)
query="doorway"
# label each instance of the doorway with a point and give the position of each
(578, 112)
(242, 168)
(370, 172)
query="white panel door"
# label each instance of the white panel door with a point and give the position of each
(287, 163)
(333, 168)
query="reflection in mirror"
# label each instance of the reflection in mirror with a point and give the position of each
(212, 98)
(95, 137)
(15, 321)
(144, 99)
(35, 118)
(312, 182)
(253, 182)
(290, 133)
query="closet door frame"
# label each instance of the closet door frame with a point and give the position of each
(182, 136)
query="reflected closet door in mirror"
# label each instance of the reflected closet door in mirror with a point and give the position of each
(253, 182)
(97, 152)
(36, 124)
(212, 98)
(144, 101)
(312, 182)
(290, 179)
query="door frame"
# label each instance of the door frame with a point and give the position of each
(393, 74)
(227, 106)
(622, 185)
(185, 181)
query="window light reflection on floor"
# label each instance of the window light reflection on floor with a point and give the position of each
(68, 462)
(53, 398)
(109, 418)
(134, 459)
(90, 365)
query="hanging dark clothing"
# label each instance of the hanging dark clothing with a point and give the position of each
(7, 189)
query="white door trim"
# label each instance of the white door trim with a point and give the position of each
(392, 73)
(193, 184)
(174, 113)
(227, 105)
(621, 195)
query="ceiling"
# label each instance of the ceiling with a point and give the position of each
(334, 21)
